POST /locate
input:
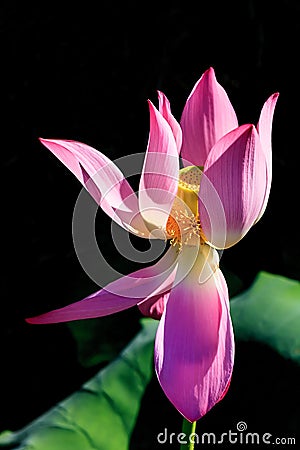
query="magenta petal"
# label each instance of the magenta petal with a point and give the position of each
(207, 116)
(165, 110)
(154, 306)
(159, 178)
(194, 347)
(264, 128)
(118, 295)
(102, 178)
(236, 167)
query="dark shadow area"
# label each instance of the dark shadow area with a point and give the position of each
(260, 394)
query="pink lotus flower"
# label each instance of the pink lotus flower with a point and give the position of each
(209, 204)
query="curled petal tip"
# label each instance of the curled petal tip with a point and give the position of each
(274, 96)
(101, 178)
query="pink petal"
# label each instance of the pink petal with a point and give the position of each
(236, 167)
(165, 110)
(154, 306)
(118, 295)
(264, 128)
(102, 178)
(207, 116)
(159, 178)
(194, 344)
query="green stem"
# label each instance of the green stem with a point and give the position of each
(188, 428)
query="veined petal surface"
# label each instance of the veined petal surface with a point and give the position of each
(118, 295)
(165, 110)
(159, 178)
(236, 167)
(264, 128)
(194, 345)
(207, 116)
(103, 180)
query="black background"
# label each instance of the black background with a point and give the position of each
(85, 73)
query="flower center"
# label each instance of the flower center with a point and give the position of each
(183, 225)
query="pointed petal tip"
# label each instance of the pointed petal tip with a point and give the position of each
(33, 320)
(48, 143)
(252, 128)
(190, 418)
(46, 139)
(28, 320)
(161, 97)
(273, 98)
(207, 116)
(209, 74)
(248, 128)
(152, 109)
(210, 71)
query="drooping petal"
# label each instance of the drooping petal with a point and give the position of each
(207, 116)
(103, 180)
(118, 295)
(194, 342)
(236, 167)
(264, 128)
(159, 178)
(165, 110)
